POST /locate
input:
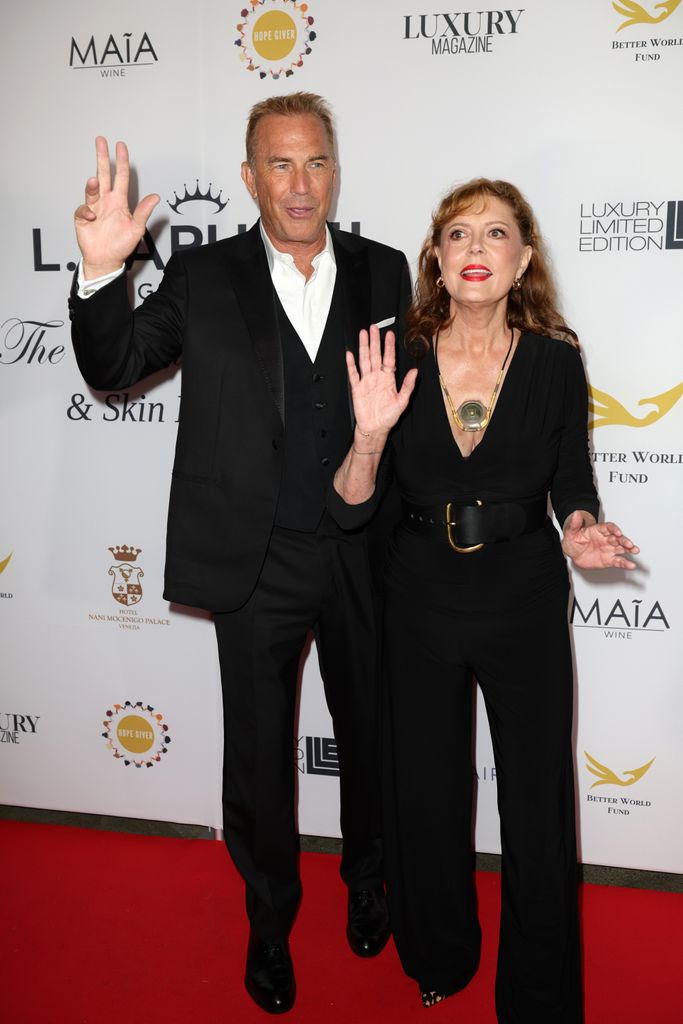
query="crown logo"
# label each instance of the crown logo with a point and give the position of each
(125, 554)
(198, 196)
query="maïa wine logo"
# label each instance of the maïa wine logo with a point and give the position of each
(462, 32)
(634, 225)
(275, 37)
(113, 55)
(641, 21)
(616, 805)
(3, 565)
(125, 589)
(136, 734)
(14, 728)
(619, 619)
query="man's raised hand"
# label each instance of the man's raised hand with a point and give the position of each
(106, 230)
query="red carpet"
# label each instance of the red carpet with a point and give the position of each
(107, 928)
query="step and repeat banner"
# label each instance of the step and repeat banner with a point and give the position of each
(109, 697)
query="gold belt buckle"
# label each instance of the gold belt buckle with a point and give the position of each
(449, 534)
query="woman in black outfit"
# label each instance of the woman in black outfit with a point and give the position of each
(477, 585)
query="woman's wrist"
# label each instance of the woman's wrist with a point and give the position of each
(587, 519)
(368, 442)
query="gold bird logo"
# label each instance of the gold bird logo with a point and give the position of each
(5, 562)
(606, 777)
(636, 14)
(608, 411)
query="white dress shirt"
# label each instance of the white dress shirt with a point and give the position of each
(306, 303)
(88, 288)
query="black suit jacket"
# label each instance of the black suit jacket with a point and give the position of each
(214, 306)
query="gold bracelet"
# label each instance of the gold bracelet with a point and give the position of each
(363, 433)
(375, 451)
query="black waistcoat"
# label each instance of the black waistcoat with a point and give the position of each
(317, 417)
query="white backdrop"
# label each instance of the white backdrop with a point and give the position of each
(576, 103)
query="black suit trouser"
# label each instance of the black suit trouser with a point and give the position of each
(522, 660)
(309, 581)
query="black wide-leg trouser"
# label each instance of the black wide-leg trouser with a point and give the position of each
(310, 581)
(522, 659)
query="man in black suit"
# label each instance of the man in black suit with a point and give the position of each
(256, 533)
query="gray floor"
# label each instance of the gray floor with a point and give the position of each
(594, 873)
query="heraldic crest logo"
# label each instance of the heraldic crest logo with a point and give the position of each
(126, 587)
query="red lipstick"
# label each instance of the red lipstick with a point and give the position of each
(475, 272)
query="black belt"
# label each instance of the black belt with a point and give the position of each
(468, 527)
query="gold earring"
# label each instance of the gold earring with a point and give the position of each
(439, 282)
(517, 283)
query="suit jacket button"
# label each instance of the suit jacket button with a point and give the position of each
(325, 461)
(320, 405)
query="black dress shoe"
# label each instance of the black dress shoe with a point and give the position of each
(368, 928)
(269, 978)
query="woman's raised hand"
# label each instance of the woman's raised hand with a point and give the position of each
(377, 405)
(106, 230)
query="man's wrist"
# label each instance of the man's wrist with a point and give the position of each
(92, 272)
(88, 287)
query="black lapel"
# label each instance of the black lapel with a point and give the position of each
(254, 290)
(351, 255)
(353, 268)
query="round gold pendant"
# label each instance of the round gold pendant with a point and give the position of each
(472, 415)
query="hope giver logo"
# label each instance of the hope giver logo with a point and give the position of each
(136, 734)
(275, 36)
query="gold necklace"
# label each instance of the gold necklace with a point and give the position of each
(471, 415)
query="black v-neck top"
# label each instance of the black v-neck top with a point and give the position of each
(536, 441)
(535, 446)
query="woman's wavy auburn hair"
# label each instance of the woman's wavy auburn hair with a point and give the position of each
(531, 308)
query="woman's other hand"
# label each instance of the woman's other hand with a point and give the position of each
(592, 545)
